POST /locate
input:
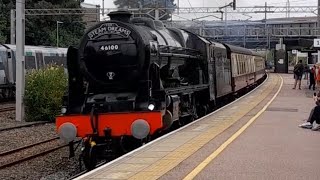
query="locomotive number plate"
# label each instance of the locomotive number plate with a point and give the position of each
(109, 47)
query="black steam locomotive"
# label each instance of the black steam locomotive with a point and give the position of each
(132, 78)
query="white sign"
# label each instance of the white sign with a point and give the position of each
(109, 47)
(302, 54)
(294, 51)
(316, 43)
(280, 61)
(279, 46)
(109, 28)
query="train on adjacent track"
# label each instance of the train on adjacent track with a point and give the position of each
(133, 78)
(36, 57)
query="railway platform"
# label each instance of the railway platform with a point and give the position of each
(255, 137)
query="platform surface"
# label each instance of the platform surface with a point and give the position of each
(272, 147)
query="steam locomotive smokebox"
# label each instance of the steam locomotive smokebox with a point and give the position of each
(123, 16)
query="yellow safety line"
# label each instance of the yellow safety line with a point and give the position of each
(208, 160)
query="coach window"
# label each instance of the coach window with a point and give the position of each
(60, 60)
(48, 60)
(234, 65)
(238, 65)
(242, 65)
(30, 62)
(252, 64)
(247, 63)
(251, 67)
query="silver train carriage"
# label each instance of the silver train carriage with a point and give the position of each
(36, 57)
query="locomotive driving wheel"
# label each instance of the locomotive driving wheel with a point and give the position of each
(5, 93)
(89, 155)
(202, 110)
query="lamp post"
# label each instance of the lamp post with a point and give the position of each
(58, 22)
(20, 38)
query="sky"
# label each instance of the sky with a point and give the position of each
(218, 3)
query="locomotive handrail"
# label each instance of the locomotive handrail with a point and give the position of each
(180, 52)
(184, 89)
(179, 55)
(179, 48)
(174, 47)
(108, 39)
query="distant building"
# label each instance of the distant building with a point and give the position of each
(93, 14)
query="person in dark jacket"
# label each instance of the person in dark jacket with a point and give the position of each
(314, 116)
(312, 78)
(298, 72)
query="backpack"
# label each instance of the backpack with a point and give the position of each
(297, 69)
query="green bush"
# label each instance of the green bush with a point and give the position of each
(44, 91)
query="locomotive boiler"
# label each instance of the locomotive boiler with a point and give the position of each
(133, 78)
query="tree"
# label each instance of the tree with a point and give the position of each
(44, 93)
(5, 7)
(41, 30)
(3, 37)
(149, 4)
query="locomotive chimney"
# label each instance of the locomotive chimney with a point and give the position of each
(123, 16)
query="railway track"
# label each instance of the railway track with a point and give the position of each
(24, 125)
(25, 153)
(5, 109)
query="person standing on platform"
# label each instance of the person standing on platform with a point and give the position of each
(318, 77)
(298, 72)
(314, 116)
(312, 78)
(306, 71)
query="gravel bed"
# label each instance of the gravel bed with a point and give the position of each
(30, 151)
(53, 166)
(7, 104)
(16, 138)
(7, 119)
